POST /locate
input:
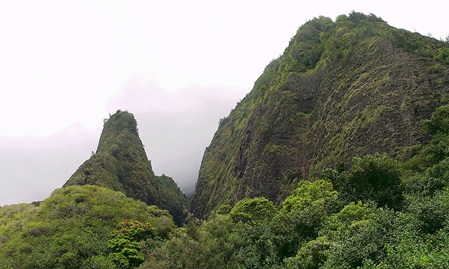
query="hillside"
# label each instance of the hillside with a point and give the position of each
(121, 164)
(341, 89)
(346, 134)
(76, 227)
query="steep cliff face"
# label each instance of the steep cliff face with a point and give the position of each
(341, 89)
(120, 163)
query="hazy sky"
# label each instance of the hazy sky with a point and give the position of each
(179, 66)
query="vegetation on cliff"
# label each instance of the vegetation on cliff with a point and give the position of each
(120, 163)
(341, 89)
(380, 213)
(338, 158)
(330, 222)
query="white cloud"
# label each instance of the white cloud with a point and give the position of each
(66, 63)
(33, 166)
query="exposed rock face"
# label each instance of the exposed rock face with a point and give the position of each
(120, 163)
(341, 89)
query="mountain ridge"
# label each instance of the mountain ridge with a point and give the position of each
(347, 88)
(340, 94)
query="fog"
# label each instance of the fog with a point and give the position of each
(178, 66)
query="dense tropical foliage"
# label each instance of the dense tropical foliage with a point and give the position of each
(80, 227)
(378, 214)
(379, 210)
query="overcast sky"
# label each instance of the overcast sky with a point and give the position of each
(179, 66)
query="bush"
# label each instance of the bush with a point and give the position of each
(374, 178)
(438, 123)
(252, 210)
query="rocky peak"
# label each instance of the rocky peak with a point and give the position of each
(120, 163)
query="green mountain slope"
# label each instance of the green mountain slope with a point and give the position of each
(347, 88)
(120, 163)
(352, 87)
(171, 198)
(73, 228)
